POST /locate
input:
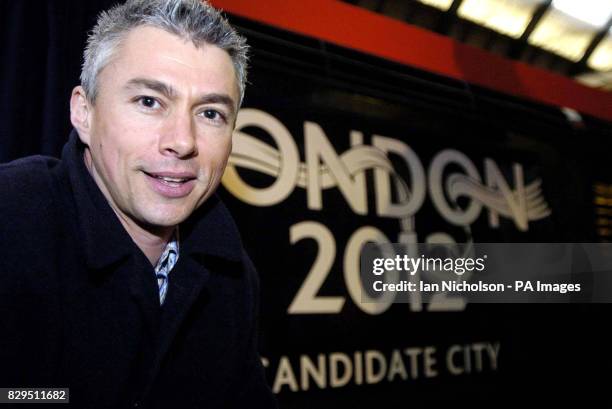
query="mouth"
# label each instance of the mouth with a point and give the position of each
(171, 184)
(174, 179)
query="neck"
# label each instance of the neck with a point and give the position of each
(151, 240)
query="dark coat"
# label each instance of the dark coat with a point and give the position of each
(79, 304)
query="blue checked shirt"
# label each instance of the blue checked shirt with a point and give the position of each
(165, 264)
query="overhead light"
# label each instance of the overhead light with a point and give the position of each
(597, 79)
(563, 34)
(601, 59)
(509, 17)
(439, 4)
(593, 12)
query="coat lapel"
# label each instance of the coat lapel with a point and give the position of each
(186, 281)
(144, 292)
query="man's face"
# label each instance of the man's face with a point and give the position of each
(161, 127)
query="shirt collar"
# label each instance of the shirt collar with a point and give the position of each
(209, 231)
(170, 254)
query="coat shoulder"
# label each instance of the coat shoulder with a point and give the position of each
(27, 186)
(29, 208)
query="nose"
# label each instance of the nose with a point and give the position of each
(179, 137)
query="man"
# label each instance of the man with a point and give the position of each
(122, 275)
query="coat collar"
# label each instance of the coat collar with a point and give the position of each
(209, 231)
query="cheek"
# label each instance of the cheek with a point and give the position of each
(215, 153)
(115, 157)
(110, 163)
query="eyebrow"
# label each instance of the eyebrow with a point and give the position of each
(169, 92)
(166, 90)
(223, 99)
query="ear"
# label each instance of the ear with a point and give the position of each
(80, 114)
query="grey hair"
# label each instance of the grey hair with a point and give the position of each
(194, 20)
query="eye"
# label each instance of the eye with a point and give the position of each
(213, 115)
(148, 102)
